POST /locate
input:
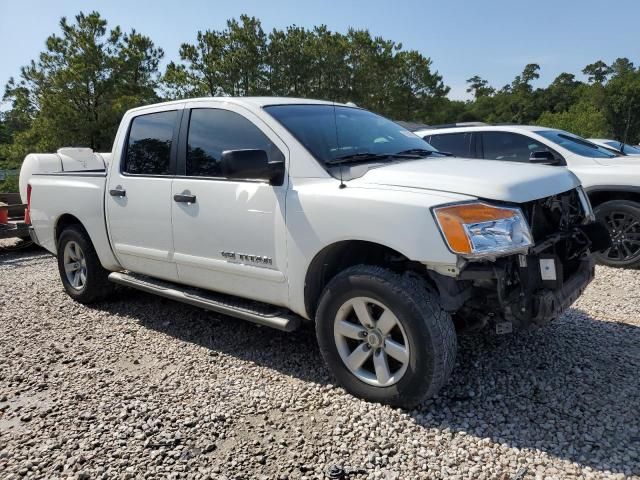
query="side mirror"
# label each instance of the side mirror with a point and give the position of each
(544, 157)
(251, 164)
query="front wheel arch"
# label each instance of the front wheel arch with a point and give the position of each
(339, 256)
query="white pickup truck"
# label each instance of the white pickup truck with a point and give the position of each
(282, 211)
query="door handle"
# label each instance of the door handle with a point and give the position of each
(118, 193)
(182, 198)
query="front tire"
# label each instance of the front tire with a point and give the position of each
(622, 219)
(385, 336)
(83, 277)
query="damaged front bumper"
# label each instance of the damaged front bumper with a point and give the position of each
(516, 291)
(546, 304)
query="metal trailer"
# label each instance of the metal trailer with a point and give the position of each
(15, 227)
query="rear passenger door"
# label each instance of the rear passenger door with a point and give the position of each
(138, 198)
(231, 237)
(458, 144)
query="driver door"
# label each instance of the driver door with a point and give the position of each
(230, 237)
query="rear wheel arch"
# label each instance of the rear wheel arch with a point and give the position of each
(77, 258)
(63, 222)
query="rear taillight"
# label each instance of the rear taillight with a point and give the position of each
(27, 211)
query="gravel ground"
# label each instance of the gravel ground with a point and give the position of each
(141, 387)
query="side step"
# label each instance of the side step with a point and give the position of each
(256, 312)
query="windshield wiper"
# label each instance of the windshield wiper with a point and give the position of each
(418, 153)
(358, 158)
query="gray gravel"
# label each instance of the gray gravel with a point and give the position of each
(140, 387)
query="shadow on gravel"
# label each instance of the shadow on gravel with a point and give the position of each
(571, 389)
(20, 253)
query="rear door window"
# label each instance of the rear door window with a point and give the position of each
(149, 144)
(458, 144)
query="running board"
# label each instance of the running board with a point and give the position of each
(256, 312)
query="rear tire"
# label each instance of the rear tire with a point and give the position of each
(83, 277)
(622, 219)
(409, 348)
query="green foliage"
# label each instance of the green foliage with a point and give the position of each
(369, 71)
(77, 89)
(582, 119)
(9, 185)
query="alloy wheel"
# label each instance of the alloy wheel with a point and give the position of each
(75, 265)
(625, 236)
(371, 341)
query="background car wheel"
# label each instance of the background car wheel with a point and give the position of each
(622, 219)
(384, 336)
(82, 275)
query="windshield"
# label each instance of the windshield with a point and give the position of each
(335, 134)
(575, 144)
(628, 149)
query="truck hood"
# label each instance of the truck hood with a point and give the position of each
(494, 180)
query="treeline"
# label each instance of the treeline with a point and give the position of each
(88, 75)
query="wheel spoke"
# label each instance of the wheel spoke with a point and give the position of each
(386, 322)
(381, 366)
(396, 350)
(76, 279)
(70, 267)
(83, 277)
(362, 312)
(358, 357)
(350, 330)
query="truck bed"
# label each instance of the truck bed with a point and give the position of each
(74, 197)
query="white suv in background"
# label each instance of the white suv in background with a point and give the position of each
(617, 147)
(612, 181)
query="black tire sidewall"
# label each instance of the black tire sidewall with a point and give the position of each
(421, 378)
(96, 285)
(624, 206)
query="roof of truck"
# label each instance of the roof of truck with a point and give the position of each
(254, 101)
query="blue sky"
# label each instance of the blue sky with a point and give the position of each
(492, 38)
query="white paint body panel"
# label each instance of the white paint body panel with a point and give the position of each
(150, 233)
(83, 197)
(484, 179)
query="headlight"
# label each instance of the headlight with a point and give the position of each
(479, 229)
